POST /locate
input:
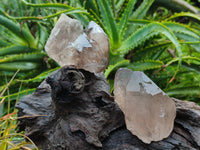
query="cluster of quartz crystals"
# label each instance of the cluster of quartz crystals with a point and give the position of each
(149, 112)
(70, 44)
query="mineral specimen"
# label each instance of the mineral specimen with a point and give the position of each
(70, 44)
(149, 112)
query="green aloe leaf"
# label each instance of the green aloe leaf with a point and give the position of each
(173, 26)
(82, 18)
(23, 66)
(183, 14)
(192, 41)
(68, 11)
(111, 68)
(183, 58)
(48, 5)
(3, 43)
(184, 91)
(109, 23)
(4, 73)
(185, 33)
(147, 32)
(42, 36)
(139, 22)
(124, 19)
(147, 51)
(145, 65)
(191, 67)
(142, 9)
(181, 31)
(181, 28)
(92, 5)
(76, 12)
(119, 4)
(24, 57)
(41, 76)
(177, 5)
(14, 49)
(21, 32)
(18, 95)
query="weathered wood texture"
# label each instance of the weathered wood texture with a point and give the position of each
(78, 113)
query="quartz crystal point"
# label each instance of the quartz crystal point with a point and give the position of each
(70, 44)
(149, 112)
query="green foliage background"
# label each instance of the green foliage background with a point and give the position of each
(144, 35)
(158, 37)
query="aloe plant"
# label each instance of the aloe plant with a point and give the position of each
(20, 50)
(154, 54)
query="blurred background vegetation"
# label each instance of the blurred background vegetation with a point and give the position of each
(159, 37)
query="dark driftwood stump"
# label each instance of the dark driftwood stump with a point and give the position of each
(76, 112)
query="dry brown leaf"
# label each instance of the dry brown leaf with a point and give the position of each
(70, 44)
(149, 112)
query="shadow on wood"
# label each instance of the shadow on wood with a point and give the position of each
(78, 113)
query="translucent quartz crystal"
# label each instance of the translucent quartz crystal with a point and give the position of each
(70, 44)
(149, 112)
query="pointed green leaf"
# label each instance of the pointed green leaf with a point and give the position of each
(41, 76)
(119, 4)
(23, 66)
(25, 35)
(68, 11)
(184, 91)
(14, 49)
(111, 68)
(181, 28)
(183, 58)
(191, 67)
(186, 33)
(92, 5)
(145, 33)
(125, 16)
(153, 47)
(3, 43)
(147, 51)
(42, 36)
(183, 14)
(142, 9)
(18, 95)
(76, 12)
(183, 32)
(48, 5)
(139, 22)
(24, 57)
(145, 65)
(110, 25)
(83, 19)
